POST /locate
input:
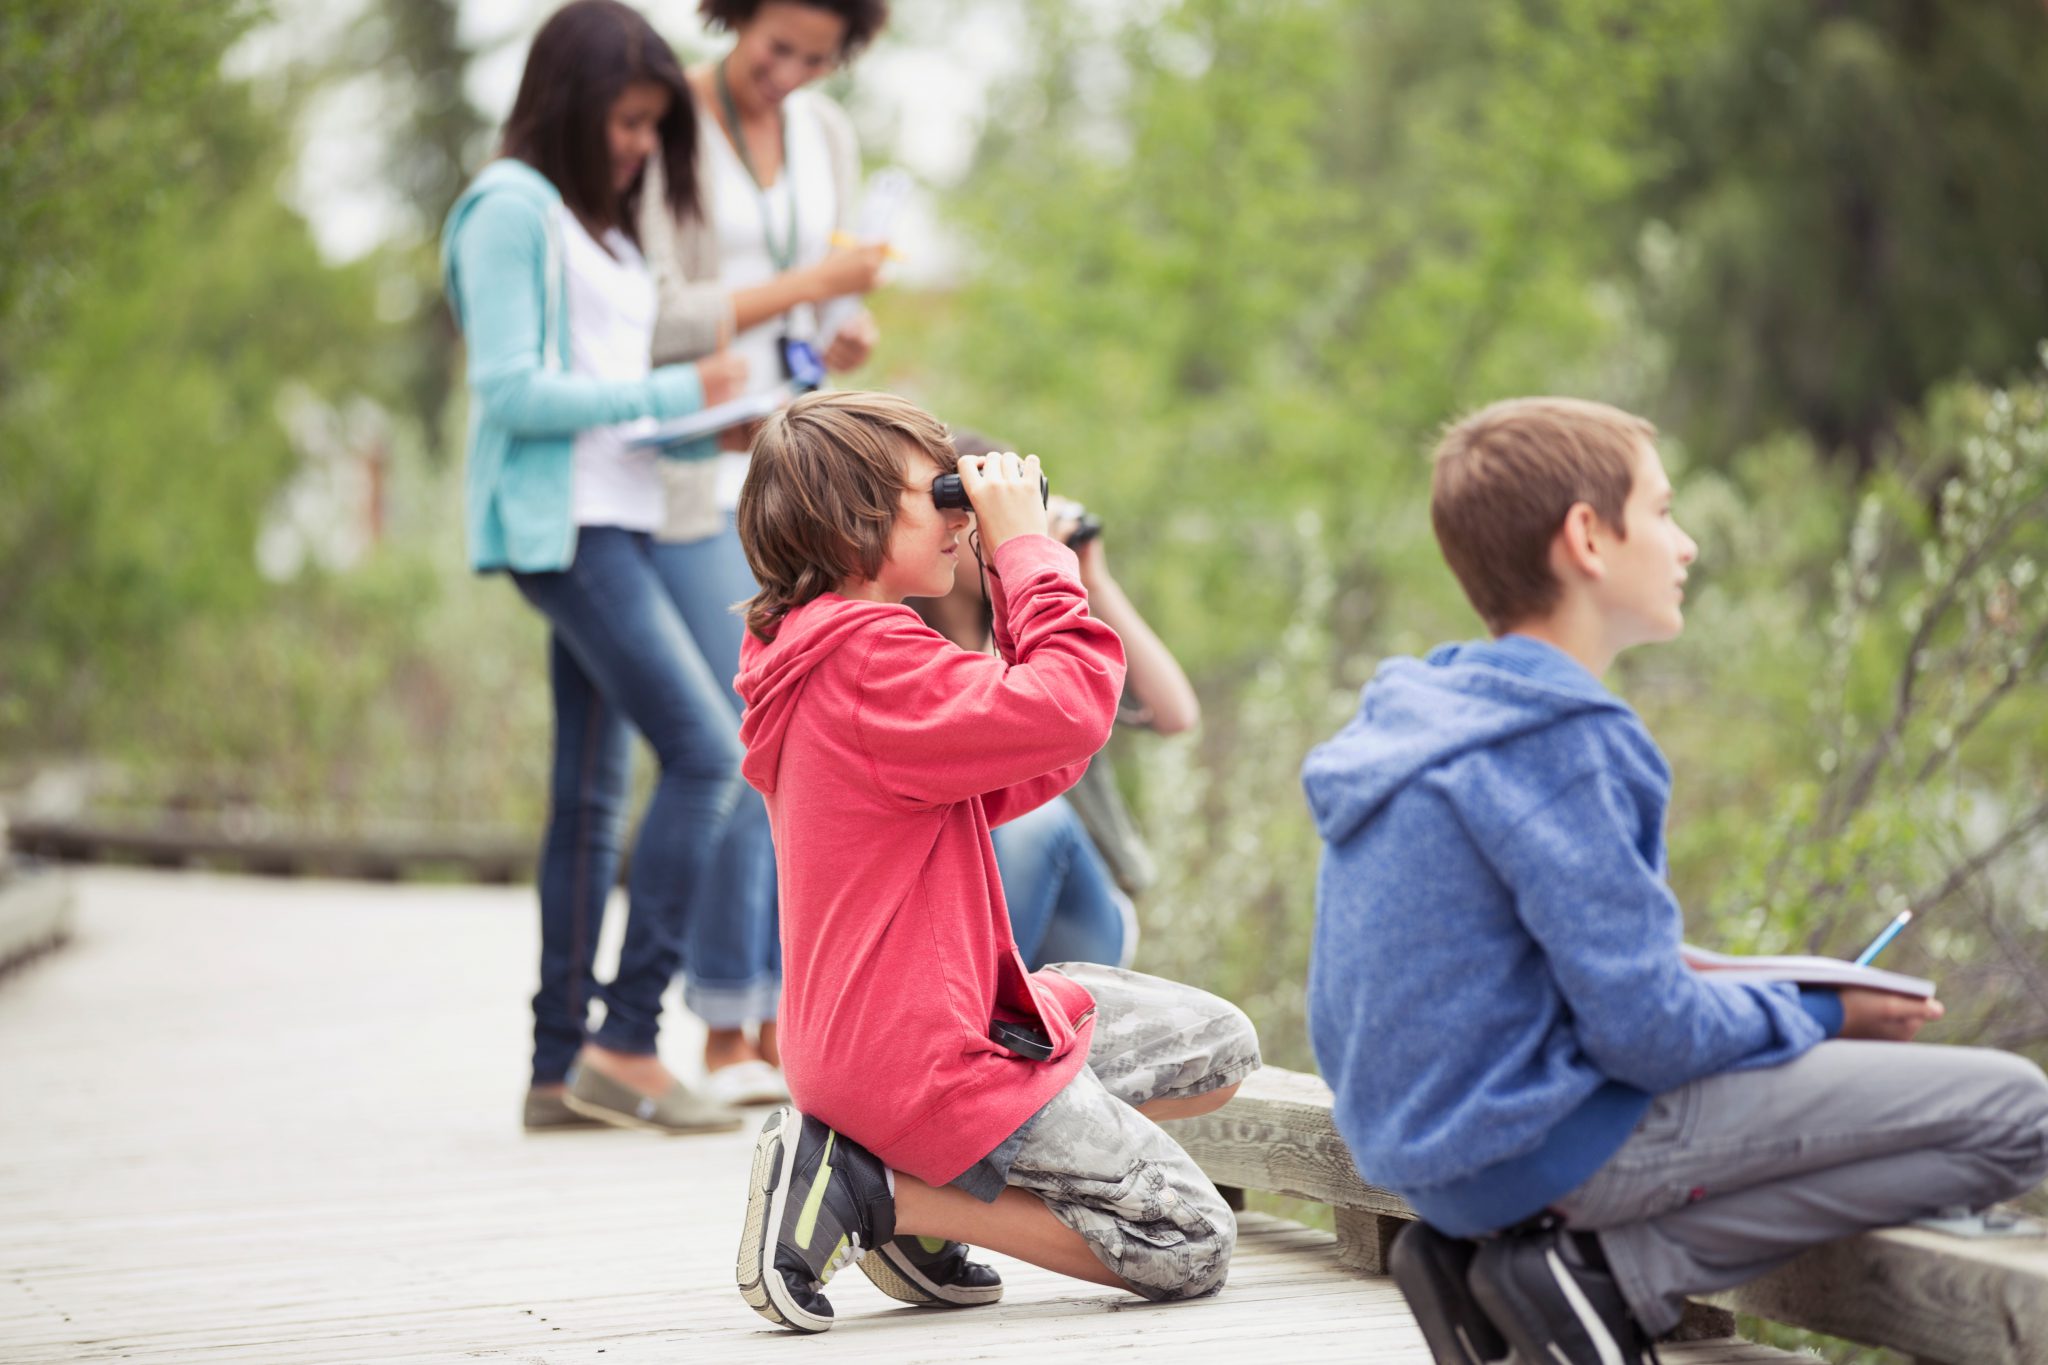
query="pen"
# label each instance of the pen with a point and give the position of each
(1877, 945)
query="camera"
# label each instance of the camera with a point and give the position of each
(948, 492)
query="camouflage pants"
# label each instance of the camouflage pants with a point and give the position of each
(1113, 1175)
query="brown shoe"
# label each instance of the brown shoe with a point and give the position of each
(678, 1110)
(546, 1112)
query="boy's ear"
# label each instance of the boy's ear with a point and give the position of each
(1576, 549)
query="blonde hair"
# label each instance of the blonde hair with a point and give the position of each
(1503, 480)
(822, 494)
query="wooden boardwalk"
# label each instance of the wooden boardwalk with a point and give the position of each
(251, 1120)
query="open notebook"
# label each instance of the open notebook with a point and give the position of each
(710, 421)
(1807, 971)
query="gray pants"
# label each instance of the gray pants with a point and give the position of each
(1113, 1175)
(1734, 1175)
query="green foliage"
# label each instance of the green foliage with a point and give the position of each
(106, 108)
(1293, 240)
(164, 297)
(1852, 214)
(1926, 787)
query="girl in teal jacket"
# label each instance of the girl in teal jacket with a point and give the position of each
(557, 308)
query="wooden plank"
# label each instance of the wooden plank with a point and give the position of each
(35, 913)
(1932, 1295)
(376, 855)
(274, 1123)
(1939, 1297)
(1277, 1135)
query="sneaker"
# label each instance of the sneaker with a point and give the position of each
(1431, 1270)
(1551, 1301)
(816, 1202)
(744, 1083)
(931, 1272)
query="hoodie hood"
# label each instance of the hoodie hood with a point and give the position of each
(1417, 714)
(503, 176)
(773, 674)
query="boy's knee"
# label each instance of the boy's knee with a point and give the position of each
(2007, 1101)
(1182, 1250)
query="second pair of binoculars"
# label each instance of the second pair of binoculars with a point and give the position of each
(948, 492)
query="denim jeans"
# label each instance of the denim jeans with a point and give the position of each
(1064, 905)
(622, 660)
(732, 959)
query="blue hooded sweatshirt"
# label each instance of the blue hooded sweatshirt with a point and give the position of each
(1496, 991)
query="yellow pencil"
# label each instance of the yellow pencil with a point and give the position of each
(846, 241)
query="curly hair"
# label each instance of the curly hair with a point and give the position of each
(822, 493)
(864, 18)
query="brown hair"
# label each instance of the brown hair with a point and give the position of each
(822, 494)
(1504, 479)
(863, 18)
(582, 60)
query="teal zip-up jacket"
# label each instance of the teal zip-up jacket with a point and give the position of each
(502, 264)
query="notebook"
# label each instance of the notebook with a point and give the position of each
(1806, 971)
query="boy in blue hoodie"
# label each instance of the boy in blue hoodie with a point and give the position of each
(1590, 1131)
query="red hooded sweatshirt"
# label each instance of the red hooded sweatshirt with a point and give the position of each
(885, 753)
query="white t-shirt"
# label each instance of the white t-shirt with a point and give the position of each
(743, 258)
(611, 334)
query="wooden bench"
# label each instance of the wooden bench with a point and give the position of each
(1937, 1297)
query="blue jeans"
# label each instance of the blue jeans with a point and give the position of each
(732, 958)
(1064, 905)
(620, 660)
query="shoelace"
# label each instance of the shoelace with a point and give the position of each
(845, 1254)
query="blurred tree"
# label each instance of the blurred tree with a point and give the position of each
(1288, 240)
(157, 298)
(1234, 262)
(1855, 210)
(104, 108)
(432, 146)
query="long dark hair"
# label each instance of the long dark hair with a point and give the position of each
(582, 60)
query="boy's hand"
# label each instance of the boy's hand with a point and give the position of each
(1883, 1016)
(1004, 491)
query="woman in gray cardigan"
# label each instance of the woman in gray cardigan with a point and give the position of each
(778, 182)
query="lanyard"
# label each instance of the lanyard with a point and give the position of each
(783, 257)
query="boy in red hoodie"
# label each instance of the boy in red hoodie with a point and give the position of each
(947, 1095)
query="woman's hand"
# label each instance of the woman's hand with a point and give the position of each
(1883, 1016)
(721, 374)
(1004, 492)
(853, 343)
(848, 270)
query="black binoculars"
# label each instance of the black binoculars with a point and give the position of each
(947, 492)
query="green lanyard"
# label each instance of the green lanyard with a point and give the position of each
(784, 257)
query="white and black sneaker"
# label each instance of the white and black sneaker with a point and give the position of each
(816, 1202)
(931, 1272)
(1553, 1297)
(1431, 1270)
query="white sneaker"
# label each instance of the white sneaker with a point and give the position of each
(749, 1082)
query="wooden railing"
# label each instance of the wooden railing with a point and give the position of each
(1937, 1297)
(376, 855)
